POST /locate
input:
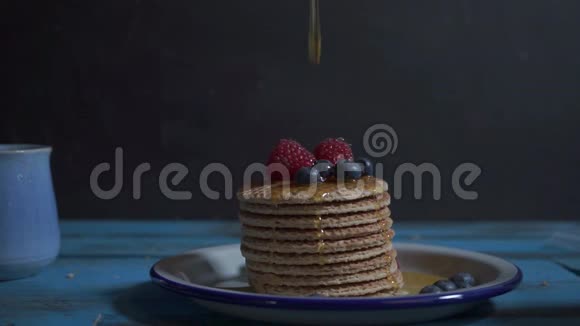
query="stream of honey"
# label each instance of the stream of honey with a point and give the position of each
(314, 35)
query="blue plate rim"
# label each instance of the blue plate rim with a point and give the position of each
(316, 303)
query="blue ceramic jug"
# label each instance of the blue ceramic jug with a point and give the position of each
(29, 233)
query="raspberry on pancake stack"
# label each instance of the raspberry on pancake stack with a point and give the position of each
(333, 241)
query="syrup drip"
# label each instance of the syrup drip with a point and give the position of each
(384, 226)
(320, 236)
(391, 279)
(318, 223)
(385, 231)
(321, 245)
(389, 259)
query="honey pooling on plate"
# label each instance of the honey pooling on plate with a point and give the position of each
(314, 35)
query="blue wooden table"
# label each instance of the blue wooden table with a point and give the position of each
(101, 276)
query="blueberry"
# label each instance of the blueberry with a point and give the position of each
(368, 169)
(445, 285)
(325, 168)
(305, 174)
(431, 289)
(350, 170)
(463, 280)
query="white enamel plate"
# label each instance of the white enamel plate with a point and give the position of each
(213, 277)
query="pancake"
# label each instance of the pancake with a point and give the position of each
(315, 222)
(388, 285)
(322, 280)
(371, 203)
(317, 232)
(382, 261)
(314, 259)
(318, 246)
(284, 193)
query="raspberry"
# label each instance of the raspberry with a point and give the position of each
(292, 155)
(333, 150)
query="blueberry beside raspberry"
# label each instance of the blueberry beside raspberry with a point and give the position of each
(325, 167)
(368, 168)
(306, 175)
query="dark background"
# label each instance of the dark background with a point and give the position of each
(491, 82)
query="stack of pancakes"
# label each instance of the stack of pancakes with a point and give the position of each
(335, 241)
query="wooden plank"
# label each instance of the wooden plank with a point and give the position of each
(159, 247)
(510, 249)
(105, 247)
(167, 238)
(537, 271)
(149, 229)
(482, 229)
(571, 264)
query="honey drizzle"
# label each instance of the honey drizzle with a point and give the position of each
(280, 191)
(384, 226)
(314, 34)
(385, 231)
(391, 279)
(387, 235)
(320, 236)
(388, 258)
